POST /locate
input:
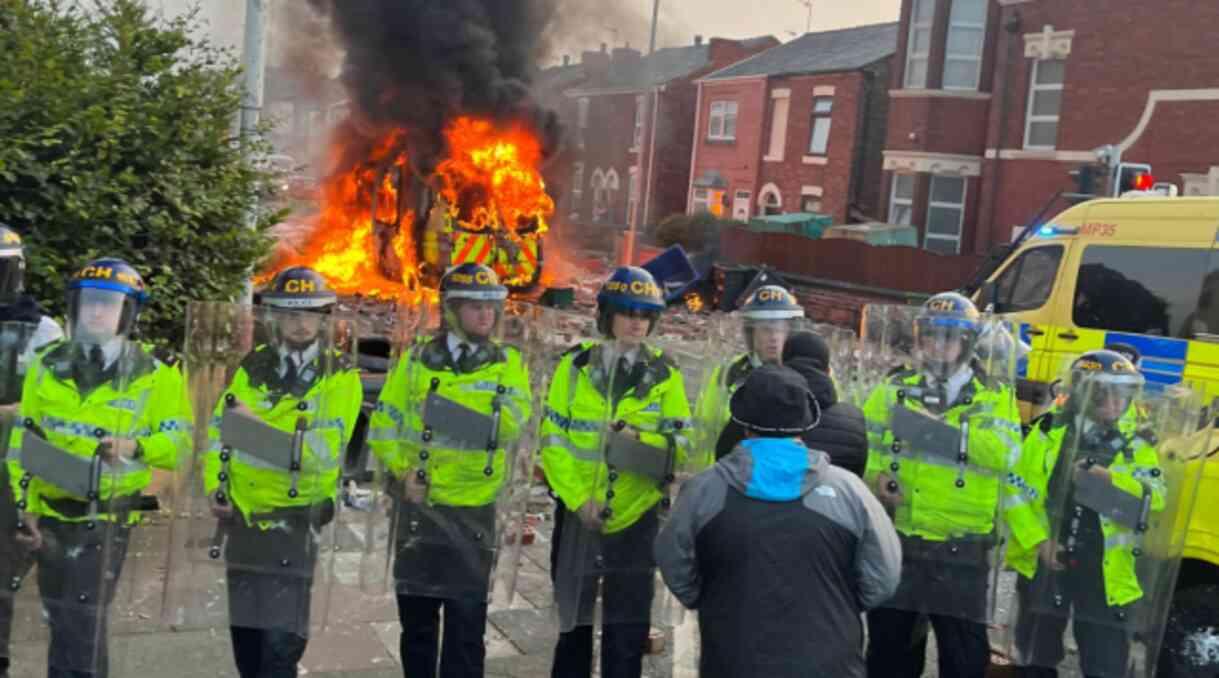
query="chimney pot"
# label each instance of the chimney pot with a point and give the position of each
(698, 40)
(566, 59)
(604, 48)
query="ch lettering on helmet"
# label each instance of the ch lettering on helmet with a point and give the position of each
(480, 278)
(775, 295)
(108, 273)
(638, 287)
(300, 286)
(942, 305)
(1089, 366)
(10, 238)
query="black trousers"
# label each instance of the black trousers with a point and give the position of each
(78, 572)
(270, 583)
(626, 596)
(15, 562)
(1103, 640)
(895, 649)
(444, 557)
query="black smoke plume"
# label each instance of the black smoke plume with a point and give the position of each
(418, 64)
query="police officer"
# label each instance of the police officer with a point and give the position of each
(448, 466)
(98, 395)
(616, 424)
(767, 314)
(944, 496)
(1074, 561)
(37, 331)
(272, 512)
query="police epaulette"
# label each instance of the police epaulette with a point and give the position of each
(576, 347)
(902, 371)
(343, 360)
(1148, 435)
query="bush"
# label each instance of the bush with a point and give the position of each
(694, 232)
(118, 141)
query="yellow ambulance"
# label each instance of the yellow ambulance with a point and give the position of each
(1143, 271)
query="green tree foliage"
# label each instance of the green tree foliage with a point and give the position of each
(694, 232)
(118, 140)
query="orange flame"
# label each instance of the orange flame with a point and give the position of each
(489, 182)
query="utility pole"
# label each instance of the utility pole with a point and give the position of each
(643, 189)
(808, 25)
(254, 61)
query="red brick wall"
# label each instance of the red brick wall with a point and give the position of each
(674, 139)
(792, 173)
(737, 161)
(869, 161)
(939, 125)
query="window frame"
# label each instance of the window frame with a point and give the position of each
(577, 181)
(640, 103)
(911, 56)
(695, 201)
(933, 204)
(960, 57)
(729, 110)
(895, 201)
(1034, 88)
(1185, 294)
(1016, 269)
(818, 117)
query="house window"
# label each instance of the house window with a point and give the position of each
(600, 200)
(901, 205)
(701, 202)
(632, 197)
(966, 36)
(582, 113)
(823, 109)
(722, 125)
(922, 16)
(1045, 102)
(945, 215)
(810, 204)
(577, 182)
(778, 129)
(639, 114)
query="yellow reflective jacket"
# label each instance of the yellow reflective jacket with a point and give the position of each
(935, 505)
(150, 407)
(711, 411)
(578, 417)
(456, 476)
(1028, 485)
(329, 408)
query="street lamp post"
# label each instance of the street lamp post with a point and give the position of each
(254, 54)
(643, 189)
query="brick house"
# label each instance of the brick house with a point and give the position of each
(629, 121)
(995, 101)
(797, 128)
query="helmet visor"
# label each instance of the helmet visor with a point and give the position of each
(943, 344)
(98, 315)
(12, 278)
(474, 319)
(767, 337)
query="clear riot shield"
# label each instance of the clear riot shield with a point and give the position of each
(80, 483)
(737, 347)
(939, 455)
(274, 398)
(453, 434)
(15, 558)
(843, 344)
(1121, 470)
(613, 445)
(886, 344)
(688, 340)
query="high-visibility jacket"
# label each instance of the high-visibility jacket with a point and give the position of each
(150, 407)
(329, 407)
(711, 412)
(579, 417)
(456, 476)
(1135, 469)
(943, 499)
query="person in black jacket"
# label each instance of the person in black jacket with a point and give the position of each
(779, 551)
(842, 433)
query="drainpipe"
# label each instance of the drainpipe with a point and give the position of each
(1012, 27)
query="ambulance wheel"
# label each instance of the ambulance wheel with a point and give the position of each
(1191, 638)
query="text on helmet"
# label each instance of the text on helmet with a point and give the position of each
(11, 238)
(775, 295)
(942, 305)
(108, 273)
(300, 286)
(638, 287)
(480, 278)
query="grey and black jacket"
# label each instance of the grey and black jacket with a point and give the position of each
(780, 553)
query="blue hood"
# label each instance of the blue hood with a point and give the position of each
(773, 469)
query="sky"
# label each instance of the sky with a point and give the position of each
(742, 18)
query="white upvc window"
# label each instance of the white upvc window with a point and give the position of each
(639, 115)
(632, 197)
(945, 215)
(966, 38)
(918, 51)
(819, 139)
(1045, 104)
(901, 203)
(722, 123)
(701, 201)
(577, 182)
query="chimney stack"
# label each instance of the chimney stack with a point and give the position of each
(698, 40)
(566, 59)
